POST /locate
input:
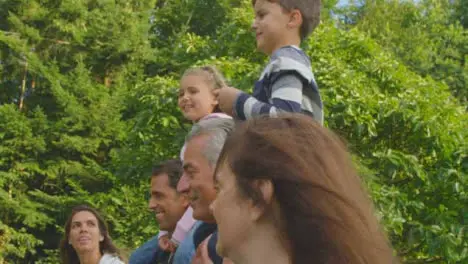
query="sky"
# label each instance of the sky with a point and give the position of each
(342, 2)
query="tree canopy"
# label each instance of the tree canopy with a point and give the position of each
(88, 103)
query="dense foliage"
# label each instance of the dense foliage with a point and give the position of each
(88, 104)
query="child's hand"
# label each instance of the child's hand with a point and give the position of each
(201, 254)
(226, 97)
(166, 244)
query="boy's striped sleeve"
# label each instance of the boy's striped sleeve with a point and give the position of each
(288, 72)
(286, 96)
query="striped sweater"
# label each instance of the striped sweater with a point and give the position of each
(287, 84)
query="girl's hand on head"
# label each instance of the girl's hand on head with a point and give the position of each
(201, 254)
(166, 244)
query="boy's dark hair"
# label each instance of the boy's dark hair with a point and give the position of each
(173, 169)
(310, 11)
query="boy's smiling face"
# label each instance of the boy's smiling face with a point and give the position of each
(273, 27)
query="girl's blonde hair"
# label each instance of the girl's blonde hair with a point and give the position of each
(211, 74)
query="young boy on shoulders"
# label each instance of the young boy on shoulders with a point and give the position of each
(287, 83)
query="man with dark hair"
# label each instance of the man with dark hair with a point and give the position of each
(165, 201)
(168, 206)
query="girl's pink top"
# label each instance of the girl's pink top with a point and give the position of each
(183, 226)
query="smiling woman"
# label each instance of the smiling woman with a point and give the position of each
(86, 239)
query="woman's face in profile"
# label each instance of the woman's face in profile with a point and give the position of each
(84, 232)
(231, 211)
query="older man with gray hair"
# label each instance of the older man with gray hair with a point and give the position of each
(203, 147)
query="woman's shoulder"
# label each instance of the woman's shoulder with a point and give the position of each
(110, 259)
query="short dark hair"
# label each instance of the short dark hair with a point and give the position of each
(310, 11)
(173, 169)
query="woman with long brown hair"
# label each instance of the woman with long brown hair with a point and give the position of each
(86, 239)
(288, 193)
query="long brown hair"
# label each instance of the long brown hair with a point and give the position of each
(68, 253)
(322, 212)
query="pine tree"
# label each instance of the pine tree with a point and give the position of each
(67, 66)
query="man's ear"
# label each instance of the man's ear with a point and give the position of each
(185, 199)
(266, 191)
(295, 19)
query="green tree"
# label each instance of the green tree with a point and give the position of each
(89, 105)
(407, 133)
(67, 66)
(428, 36)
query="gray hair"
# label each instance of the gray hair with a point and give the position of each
(218, 130)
